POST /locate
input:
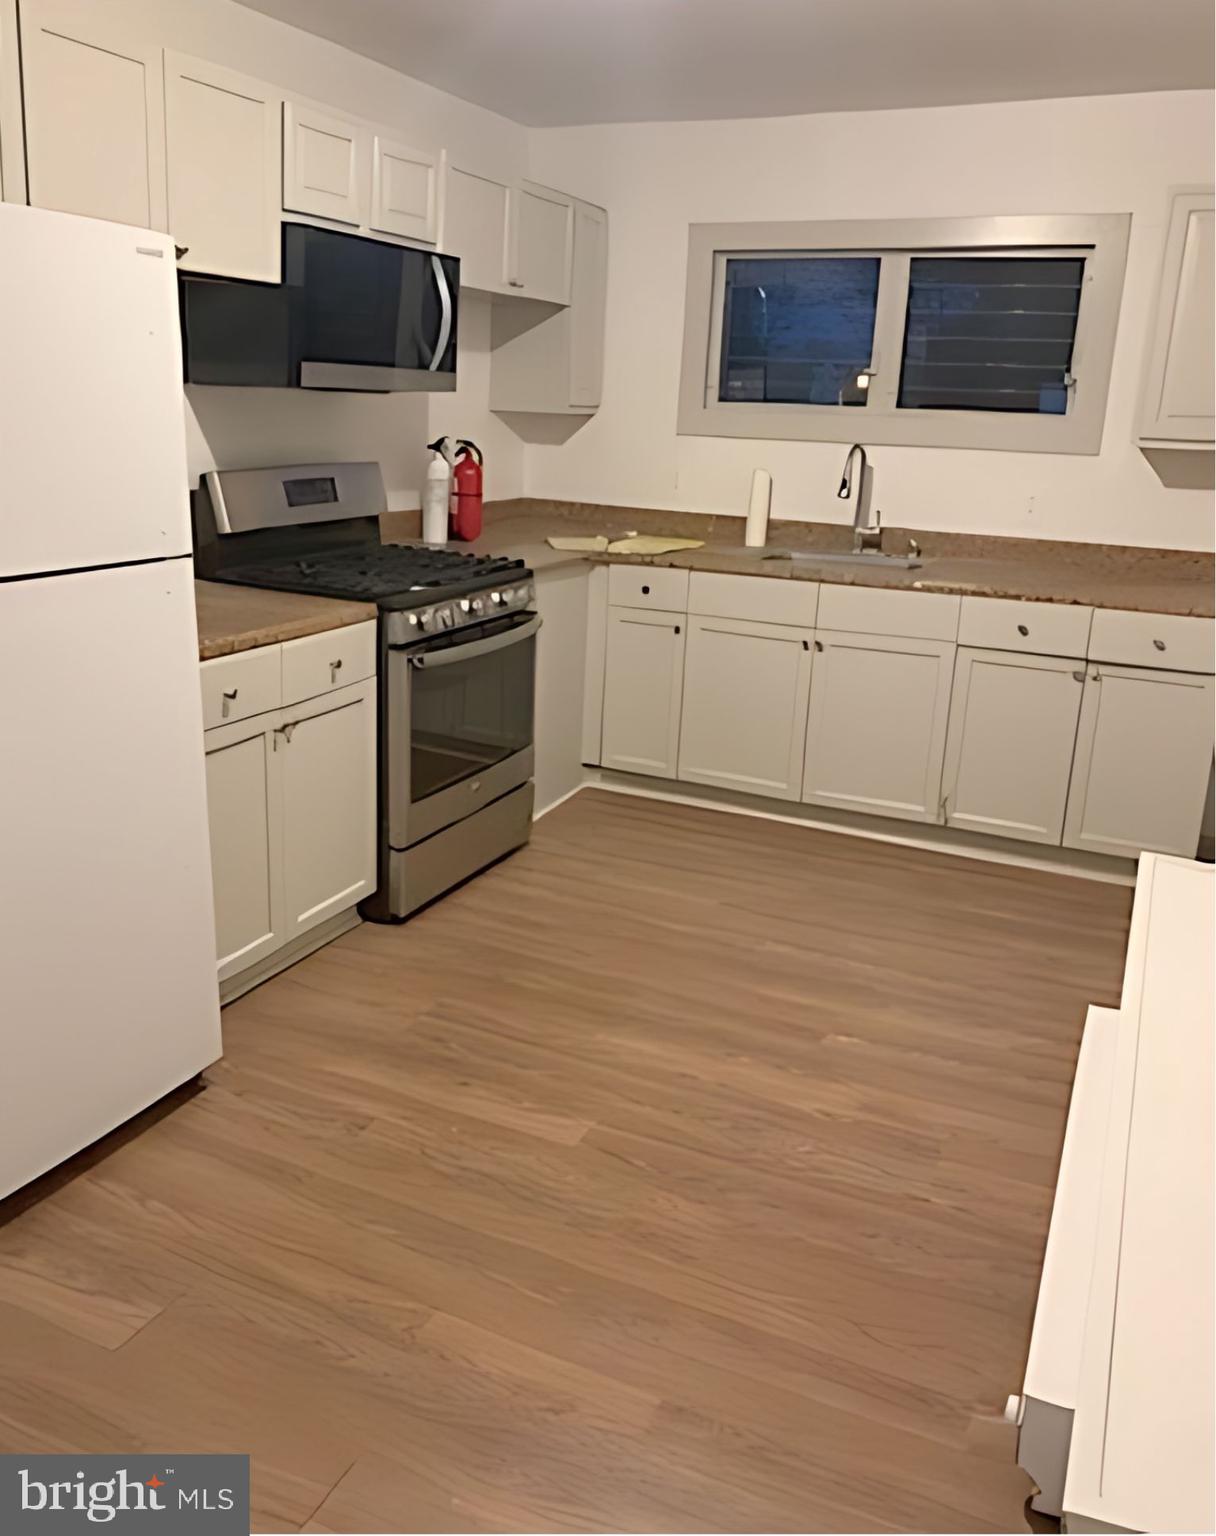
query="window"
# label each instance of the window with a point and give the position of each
(798, 330)
(974, 333)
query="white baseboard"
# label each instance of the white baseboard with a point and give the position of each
(932, 839)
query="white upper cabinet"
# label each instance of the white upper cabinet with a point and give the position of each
(877, 729)
(743, 722)
(643, 680)
(223, 151)
(1144, 753)
(588, 301)
(325, 164)
(540, 241)
(405, 191)
(1013, 725)
(94, 115)
(475, 228)
(556, 365)
(1178, 386)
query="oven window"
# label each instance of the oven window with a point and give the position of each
(467, 715)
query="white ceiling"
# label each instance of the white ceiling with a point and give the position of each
(553, 62)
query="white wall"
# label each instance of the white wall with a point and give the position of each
(238, 428)
(1111, 154)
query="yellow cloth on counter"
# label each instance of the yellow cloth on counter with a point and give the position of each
(631, 544)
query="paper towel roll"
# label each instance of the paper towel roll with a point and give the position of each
(757, 509)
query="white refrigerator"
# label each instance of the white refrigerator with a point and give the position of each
(108, 995)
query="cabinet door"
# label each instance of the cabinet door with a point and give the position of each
(877, 730)
(243, 810)
(743, 720)
(541, 228)
(588, 299)
(324, 165)
(643, 679)
(1144, 752)
(327, 758)
(1178, 396)
(223, 155)
(1013, 726)
(94, 116)
(475, 228)
(404, 191)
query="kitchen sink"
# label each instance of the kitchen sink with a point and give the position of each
(846, 557)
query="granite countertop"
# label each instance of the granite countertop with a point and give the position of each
(1041, 570)
(232, 619)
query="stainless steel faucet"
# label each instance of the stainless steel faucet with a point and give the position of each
(867, 535)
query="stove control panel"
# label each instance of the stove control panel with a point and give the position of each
(435, 618)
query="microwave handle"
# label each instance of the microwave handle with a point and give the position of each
(445, 314)
(450, 655)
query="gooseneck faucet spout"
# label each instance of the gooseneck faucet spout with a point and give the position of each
(866, 531)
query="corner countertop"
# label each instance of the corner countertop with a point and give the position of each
(1038, 570)
(232, 619)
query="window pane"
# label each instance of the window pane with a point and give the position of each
(988, 333)
(797, 330)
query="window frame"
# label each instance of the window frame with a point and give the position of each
(1101, 239)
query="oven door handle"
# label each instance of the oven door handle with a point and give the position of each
(450, 655)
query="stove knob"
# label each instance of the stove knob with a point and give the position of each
(424, 618)
(412, 618)
(499, 597)
(478, 605)
(464, 605)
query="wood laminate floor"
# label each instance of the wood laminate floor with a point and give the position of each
(683, 1172)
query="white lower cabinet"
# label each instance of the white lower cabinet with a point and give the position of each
(327, 759)
(643, 681)
(743, 721)
(1013, 726)
(291, 794)
(876, 735)
(1144, 753)
(246, 843)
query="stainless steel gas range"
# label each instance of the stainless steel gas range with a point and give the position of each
(457, 661)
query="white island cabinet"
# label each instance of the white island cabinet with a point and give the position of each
(290, 740)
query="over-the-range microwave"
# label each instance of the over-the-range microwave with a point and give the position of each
(351, 313)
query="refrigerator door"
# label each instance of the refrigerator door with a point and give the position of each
(92, 431)
(107, 945)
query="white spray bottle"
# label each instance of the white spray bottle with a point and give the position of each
(437, 493)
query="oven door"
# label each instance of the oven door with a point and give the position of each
(458, 725)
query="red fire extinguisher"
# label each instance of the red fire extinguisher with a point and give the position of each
(466, 492)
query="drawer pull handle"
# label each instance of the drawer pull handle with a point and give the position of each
(334, 668)
(231, 693)
(677, 629)
(1079, 676)
(819, 645)
(228, 697)
(1160, 644)
(1023, 630)
(645, 591)
(806, 645)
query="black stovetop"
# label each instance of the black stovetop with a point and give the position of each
(391, 575)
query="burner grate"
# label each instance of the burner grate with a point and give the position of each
(376, 572)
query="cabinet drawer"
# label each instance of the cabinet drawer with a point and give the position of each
(1166, 640)
(646, 586)
(235, 687)
(755, 599)
(320, 663)
(1041, 629)
(873, 611)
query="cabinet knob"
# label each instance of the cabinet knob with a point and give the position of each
(231, 693)
(645, 591)
(1023, 630)
(228, 698)
(677, 629)
(819, 645)
(1079, 677)
(334, 668)
(1160, 644)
